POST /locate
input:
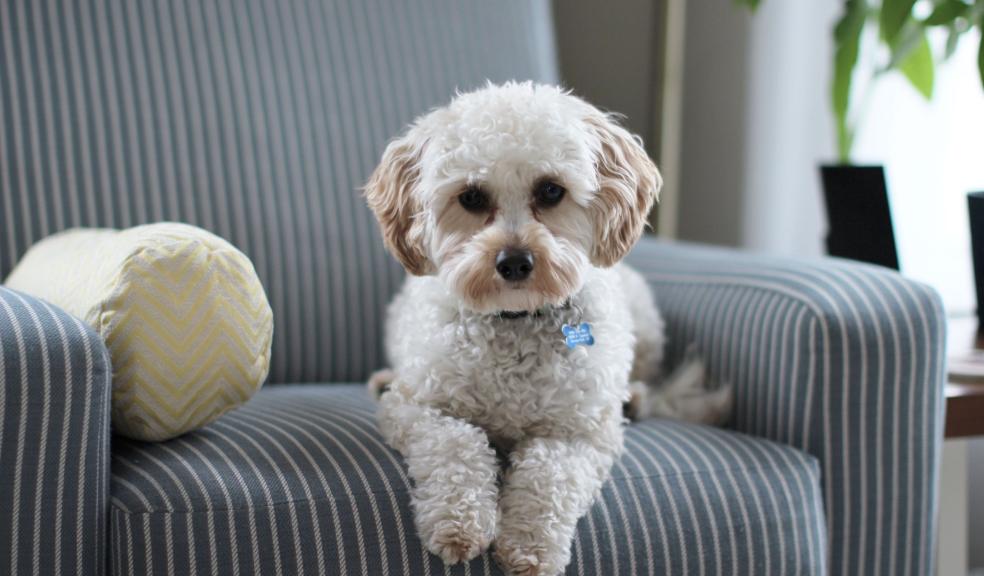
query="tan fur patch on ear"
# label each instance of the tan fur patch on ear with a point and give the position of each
(389, 194)
(628, 185)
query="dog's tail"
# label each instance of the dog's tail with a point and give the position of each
(380, 381)
(684, 395)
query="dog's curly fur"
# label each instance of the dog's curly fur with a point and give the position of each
(467, 379)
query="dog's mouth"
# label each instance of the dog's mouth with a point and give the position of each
(522, 298)
(495, 296)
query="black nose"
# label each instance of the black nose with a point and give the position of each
(514, 265)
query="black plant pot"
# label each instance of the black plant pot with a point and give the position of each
(975, 207)
(858, 216)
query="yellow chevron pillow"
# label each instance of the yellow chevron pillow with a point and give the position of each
(183, 314)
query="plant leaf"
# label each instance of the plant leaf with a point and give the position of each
(918, 67)
(893, 15)
(960, 25)
(952, 37)
(980, 54)
(847, 41)
(946, 12)
(751, 4)
(905, 43)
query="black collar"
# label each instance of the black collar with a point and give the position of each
(515, 315)
(508, 315)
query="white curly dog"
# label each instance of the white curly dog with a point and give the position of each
(518, 329)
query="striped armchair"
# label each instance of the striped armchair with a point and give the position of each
(258, 121)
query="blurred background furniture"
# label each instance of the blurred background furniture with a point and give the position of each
(964, 423)
(259, 122)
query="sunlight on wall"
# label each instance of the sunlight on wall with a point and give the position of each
(933, 153)
(790, 129)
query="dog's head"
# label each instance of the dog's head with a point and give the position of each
(510, 193)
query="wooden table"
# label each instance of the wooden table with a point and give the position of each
(964, 410)
(964, 418)
(964, 401)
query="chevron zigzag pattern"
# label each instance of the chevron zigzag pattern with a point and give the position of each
(183, 314)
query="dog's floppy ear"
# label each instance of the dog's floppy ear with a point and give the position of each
(628, 184)
(389, 193)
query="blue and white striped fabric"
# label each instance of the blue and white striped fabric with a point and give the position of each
(256, 120)
(841, 360)
(54, 441)
(299, 481)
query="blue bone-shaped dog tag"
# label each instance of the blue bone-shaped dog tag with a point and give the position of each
(575, 335)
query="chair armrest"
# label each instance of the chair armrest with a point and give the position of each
(842, 360)
(54, 440)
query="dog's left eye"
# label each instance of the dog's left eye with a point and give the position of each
(548, 193)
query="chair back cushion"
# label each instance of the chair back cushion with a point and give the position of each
(253, 119)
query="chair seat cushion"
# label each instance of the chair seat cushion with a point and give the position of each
(299, 481)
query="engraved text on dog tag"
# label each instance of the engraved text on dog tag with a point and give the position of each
(580, 334)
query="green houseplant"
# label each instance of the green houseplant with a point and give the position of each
(903, 32)
(856, 197)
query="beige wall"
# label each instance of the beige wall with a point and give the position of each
(714, 125)
(607, 55)
(756, 125)
(613, 55)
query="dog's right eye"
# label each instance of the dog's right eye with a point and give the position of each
(474, 199)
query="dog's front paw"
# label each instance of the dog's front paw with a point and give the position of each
(456, 525)
(519, 561)
(527, 554)
(456, 541)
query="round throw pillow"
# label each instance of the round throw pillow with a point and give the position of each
(182, 312)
